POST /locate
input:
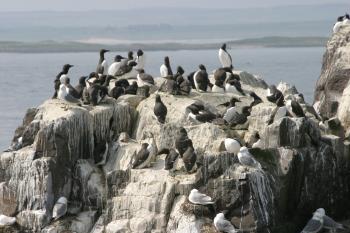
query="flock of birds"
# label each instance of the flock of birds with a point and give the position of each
(114, 80)
(342, 20)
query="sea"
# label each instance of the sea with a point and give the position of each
(26, 80)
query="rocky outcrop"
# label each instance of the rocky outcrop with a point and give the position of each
(335, 74)
(86, 154)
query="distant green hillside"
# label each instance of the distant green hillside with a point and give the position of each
(61, 47)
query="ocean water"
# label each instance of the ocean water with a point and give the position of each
(27, 79)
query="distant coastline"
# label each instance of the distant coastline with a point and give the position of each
(73, 46)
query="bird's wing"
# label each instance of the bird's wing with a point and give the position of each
(225, 58)
(105, 66)
(203, 197)
(329, 223)
(312, 226)
(70, 98)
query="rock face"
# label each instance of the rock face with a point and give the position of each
(86, 153)
(335, 74)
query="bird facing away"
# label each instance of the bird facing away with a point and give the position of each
(198, 198)
(201, 80)
(189, 157)
(60, 208)
(223, 225)
(170, 159)
(144, 79)
(182, 141)
(225, 57)
(160, 110)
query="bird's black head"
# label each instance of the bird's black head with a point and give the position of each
(130, 55)
(273, 88)
(233, 101)
(66, 68)
(158, 98)
(141, 71)
(103, 51)
(202, 67)
(340, 18)
(144, 145)
(67, 80)
(93, 75)
(82, 80)
(246, 110)
(347, 16)
(223, 47)
(190, 143)
(134, 84)
(180, 70)
(118, 58)
(166, 61)
(183, 131)
(257, 136)
(139, 52)
(180, 79)
(132, 63)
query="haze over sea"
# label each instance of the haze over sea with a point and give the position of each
(27, 78)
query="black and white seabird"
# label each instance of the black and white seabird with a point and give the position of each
(130, 56)
(184, 85)
(179, 72)
(275, 96)
(80, 87)
(201, 80)
(165, 69)
(237, 115)
(182, 141)
(125, 67)
(189, 157)
(160, 110)
(142, 155)
(190, 78)
(144, 79)
(132, 89)
(140, 60)
(234, 86)
(115, 66)
(71, 89)
(202, 116)
(116, 91)
(57, 81)
(294, 108)
(97, 93)
(221, 73)
(346, 20)
(256, 99)
(225, 57)
(170, 159)
(124, 83)
(102, 66)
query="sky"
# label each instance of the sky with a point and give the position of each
(85, 5)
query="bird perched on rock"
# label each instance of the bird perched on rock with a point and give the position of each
(221, 73)
(182, 141)
(294, 108)
(57, 81)
(124, 83)
(116, 91)
(179, 72)
(171, 157)
(165, 69)
(60, 208)
(256, 99)
(63, 92)
(71, 89)
(80, 87)
(237, 115)
(275, 96)
(160, 110)
(330, 224)
(141, 159)
(234, 86)
(201, 80)
(225, 57)
(247, 159)
(232, 145)
(223, 225)
(115, 66)
(198, 198)
(97, 93)
(140, 59)
(315, 224)
(144, 79)
(102, 66)
(189, 157)
(202, 116)
(184, 86)
(338, 24)
(132, 89)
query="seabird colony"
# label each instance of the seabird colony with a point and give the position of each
(127, 76)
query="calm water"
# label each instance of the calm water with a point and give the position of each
(27, 79)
